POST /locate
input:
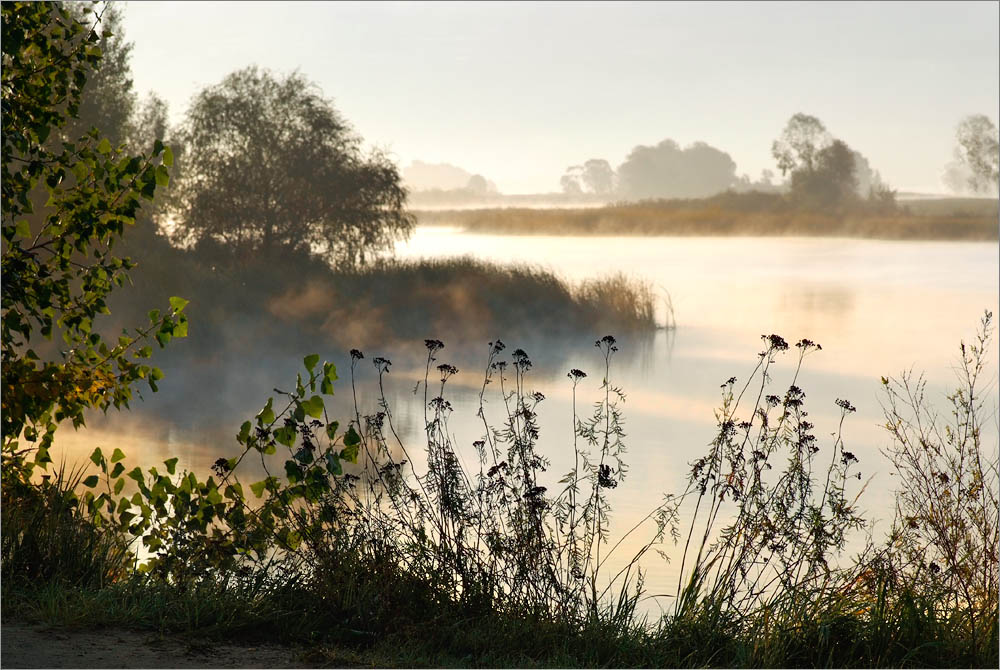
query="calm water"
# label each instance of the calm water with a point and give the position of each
(876, 307)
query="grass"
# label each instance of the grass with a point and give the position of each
(480, 566)
(303, 303)
(747, 214)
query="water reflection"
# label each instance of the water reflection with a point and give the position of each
(876, 307)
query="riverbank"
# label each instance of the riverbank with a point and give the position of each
(735, 214)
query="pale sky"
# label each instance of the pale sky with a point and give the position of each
(518, 92)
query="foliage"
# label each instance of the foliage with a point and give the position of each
(344, 540)
(108, 102)
(945, 535)
(785, 528)
(47, 539)
(58, 261)
(830, 183)
(800, 142)
(595, 176)
(268, 163)
(665, 170)
(979, 151)
(824, 173)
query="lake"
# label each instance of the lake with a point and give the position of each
(877, 308)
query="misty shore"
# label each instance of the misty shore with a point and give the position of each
(959, 219)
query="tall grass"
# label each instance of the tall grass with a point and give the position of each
(482, 561)
(303, 302)
(748, 214)
(47, 536)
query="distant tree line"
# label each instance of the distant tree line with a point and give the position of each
(821, 171)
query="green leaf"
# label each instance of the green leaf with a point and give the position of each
(162, 176)
(310, 361)
(244, 433)
(104, 147)
(119, 485)
(313, 406)
(266, 415)
(97, 457)
(118, 455)
(91, 481)
(258, 488)
(293, 471)
(350, 453)
(23, 229)
(117, 470)
(333, 464)
(168, 156)
(331, 429)
(177, 304)
(351, 438)
(171, 464)
(136, 474)
(285, 435)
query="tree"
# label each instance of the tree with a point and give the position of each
(824, 172)
(269, 165)
(979, 150)
(667, 171)
(109, 100)
(830, 183)
(598, 176)
(570, 181)
(802, 139)
(480, 185)
(58, 263)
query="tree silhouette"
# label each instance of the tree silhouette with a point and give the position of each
(804, 136)
(667, 171)
(979, 150)
(268, 165)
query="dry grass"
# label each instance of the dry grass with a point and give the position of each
(736, 214)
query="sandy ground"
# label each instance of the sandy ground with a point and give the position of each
(39, 646)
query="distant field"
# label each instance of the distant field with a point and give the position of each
(943, 219)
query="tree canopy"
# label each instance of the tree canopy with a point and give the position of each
(58, 259)
(979, 151)
(668, 171)
(269, 165)
(824, 172)
(802, 139)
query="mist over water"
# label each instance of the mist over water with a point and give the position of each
(877, 308)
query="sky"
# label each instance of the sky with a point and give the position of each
(518, 92)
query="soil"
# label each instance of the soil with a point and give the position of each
(39, 646)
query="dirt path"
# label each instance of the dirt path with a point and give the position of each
(39, 646)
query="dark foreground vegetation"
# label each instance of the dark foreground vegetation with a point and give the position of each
(756, 214)
(301, 301)
(346, 544)
(351, 539)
